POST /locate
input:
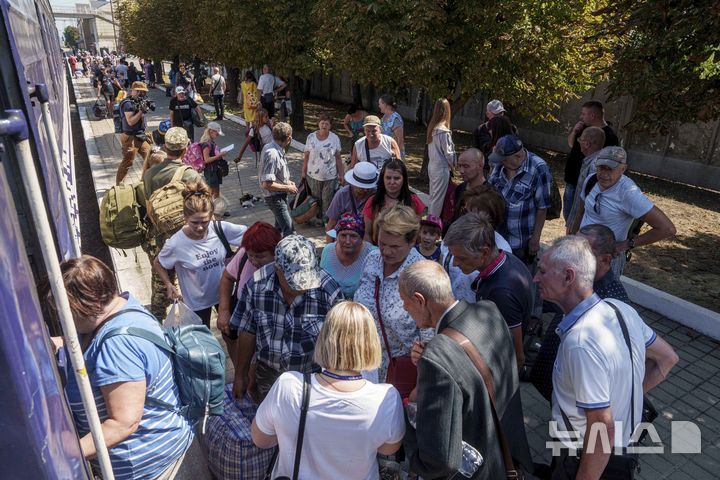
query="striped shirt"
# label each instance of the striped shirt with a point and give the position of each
(285, 335)
(162, 436)
(526, 193)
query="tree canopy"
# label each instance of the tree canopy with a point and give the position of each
(667, 57)
(71, 36)
(534, 54)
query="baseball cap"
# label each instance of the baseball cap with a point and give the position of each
(176, 138)
(139, 86)
(432, 220)
(363, 175)
(495, 106)
(179, 90)
(295, 256)
(506, 146)
(216, 127)
(164, 126)
(372, 120)
(611, 157)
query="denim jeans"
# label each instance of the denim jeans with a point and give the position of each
(568, 198)
(278, 204)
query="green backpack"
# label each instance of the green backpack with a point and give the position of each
(166, 204)
(121, 218)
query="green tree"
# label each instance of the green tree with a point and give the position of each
(71, 35)
(667, 57)
(533, 54)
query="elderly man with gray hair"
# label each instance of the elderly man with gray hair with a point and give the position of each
(503, 278)
(453, 401)
(274, 177)
(608, 358)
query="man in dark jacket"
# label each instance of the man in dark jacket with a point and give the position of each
(453, 403)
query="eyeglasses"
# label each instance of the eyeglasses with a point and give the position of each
(596, 207)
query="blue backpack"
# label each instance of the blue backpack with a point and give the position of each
(198, 366)
(118, 116)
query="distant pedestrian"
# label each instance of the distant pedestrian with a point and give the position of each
(322, 165)
(121, 70)
(353, 122)
(251, 102)
(258, 134)
(441, 154)
(268, 86)
(181, 107)
(481, 136)
(132, 73)
(217, 90)
(392, 122)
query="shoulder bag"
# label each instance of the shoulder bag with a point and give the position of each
(401, 374)
(619, 467)
(301, 434)
(484, 370)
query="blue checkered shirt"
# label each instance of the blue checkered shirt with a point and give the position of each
(526, 193)
(284, 335)
(232, 455)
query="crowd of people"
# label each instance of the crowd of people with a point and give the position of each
(427, 305)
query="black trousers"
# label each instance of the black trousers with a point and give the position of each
(219, 101)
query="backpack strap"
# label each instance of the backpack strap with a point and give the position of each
(179, 174)
(590, 183)
(484, 370)
(217, 226)
(155, 340)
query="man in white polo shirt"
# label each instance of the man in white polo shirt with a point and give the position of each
(595, 383)
(615, 201)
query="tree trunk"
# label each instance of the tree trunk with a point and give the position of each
(233, 86)
(424, 176)
(297, 94)
(420, 107)
(357, 94)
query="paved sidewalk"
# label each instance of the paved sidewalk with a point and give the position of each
(691, 393)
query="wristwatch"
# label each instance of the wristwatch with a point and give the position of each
(631, 243)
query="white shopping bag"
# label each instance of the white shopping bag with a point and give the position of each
(181, 315)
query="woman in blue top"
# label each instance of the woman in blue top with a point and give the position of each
(392, 123)
(353, 122)
(345, 258)
(144, 441)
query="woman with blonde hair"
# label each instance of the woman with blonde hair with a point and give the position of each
(259, 134)
(441, 154)
(349, 419)
(197, 252)
(398, 229)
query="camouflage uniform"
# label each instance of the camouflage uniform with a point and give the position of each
(159, 300)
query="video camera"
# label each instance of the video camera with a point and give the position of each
(142, 104)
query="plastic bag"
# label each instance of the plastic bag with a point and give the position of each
(181, 315)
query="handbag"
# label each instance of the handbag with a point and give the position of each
(304, 206)
(401, 374)
(301, 434)
(511, 472)
(619, 467)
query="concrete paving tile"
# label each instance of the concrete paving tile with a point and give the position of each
(690, 377)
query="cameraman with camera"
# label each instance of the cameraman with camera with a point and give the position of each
(133, 138)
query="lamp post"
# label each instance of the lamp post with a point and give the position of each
(112, 17)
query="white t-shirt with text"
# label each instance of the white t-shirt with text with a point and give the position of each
(199, 263)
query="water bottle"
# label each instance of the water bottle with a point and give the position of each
(471, 458)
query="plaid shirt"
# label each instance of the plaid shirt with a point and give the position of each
(285, 335)
(526, 193)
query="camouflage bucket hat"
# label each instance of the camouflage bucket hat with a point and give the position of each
(295, 256)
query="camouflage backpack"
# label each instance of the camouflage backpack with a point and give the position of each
(165, 207)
